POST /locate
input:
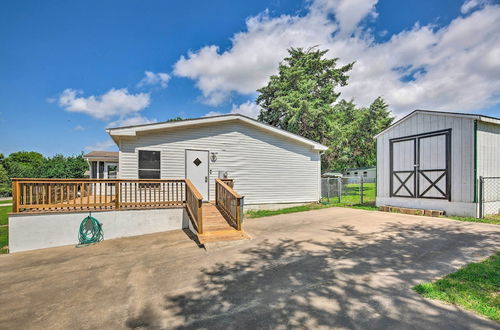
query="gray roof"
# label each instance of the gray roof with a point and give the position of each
(102, 154)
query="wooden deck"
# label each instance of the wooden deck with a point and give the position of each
(216, 228)
(212, 223)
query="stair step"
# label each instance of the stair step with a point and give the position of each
(216, 228)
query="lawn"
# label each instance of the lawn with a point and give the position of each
(490, 219)
(350, 198)
(7, 201)
(4, 229)
(475, 287)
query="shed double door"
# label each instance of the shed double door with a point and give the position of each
(420, 165)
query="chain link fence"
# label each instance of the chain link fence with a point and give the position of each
(489, 196)
(349, 191)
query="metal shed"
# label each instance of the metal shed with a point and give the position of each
(440, 161)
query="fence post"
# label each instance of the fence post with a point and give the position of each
(361, 189)
(339, 189)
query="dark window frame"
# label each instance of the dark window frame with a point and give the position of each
(145, 169)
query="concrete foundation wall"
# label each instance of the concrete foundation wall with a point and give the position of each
(37, 231)
(450, 208)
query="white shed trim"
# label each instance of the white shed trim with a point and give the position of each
(442, 113)
(115, 133)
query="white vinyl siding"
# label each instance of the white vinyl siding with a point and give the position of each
(267, 168)
(462, 151)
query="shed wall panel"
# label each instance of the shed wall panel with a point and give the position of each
(488, 149)
(462, 151)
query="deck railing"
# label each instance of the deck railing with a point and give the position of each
(229, 202)
(67, 195)
(194, 202)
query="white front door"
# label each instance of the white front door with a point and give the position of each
(197, 170)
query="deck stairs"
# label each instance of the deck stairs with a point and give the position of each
(216, 228)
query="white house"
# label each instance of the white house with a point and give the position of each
(434, 160)
(270, 167)
(367, 173)
(102, 164)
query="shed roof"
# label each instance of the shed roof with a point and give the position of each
(133, 130)
(479, 117)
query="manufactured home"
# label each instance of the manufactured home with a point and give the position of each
(197, 174)
(440, 161)
(270, 167)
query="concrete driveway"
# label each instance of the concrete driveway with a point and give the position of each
(330, 268)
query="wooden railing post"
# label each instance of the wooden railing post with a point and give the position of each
(15, 196)
(200, 216)
(118, 189)
(238, 214)
(216, 193)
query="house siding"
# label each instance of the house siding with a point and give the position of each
(267, 168)
(462, 153)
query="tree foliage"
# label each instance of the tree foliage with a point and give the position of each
(302, 99)
(24, 164)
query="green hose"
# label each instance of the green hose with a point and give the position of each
(90, 231)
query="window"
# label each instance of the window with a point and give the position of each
(365, 174)
(101, 170)
(355, 173)
(149, 164)
(93, 172)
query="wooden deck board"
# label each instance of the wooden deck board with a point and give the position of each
(216, 228)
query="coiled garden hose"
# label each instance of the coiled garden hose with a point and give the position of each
(90, 231)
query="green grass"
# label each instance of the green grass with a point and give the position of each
(7, 201)
(4, 211)
(475, 287)
(490, 219)
(4, 239)
(350, 199)
(4, 229)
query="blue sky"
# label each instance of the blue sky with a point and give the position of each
(68, 69)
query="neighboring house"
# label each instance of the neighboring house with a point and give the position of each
(102, 164)
(434, 160)
(331, 175)
(269, 166)
(364, 172)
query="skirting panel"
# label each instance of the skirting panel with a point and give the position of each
(38, 231)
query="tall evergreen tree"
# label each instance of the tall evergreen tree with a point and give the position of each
(300, 97)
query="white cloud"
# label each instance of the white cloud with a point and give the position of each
(454, 67)
(115, 102)
(131, 121)
(470, 5)
(249, 109)
(102, 146)
(150, 79)
(79, 128)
